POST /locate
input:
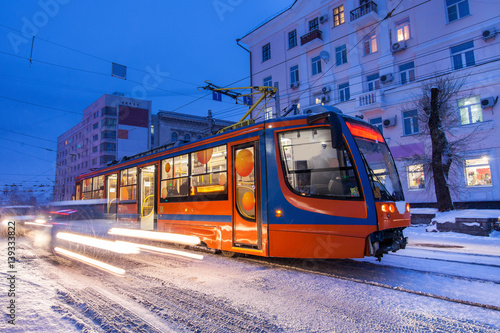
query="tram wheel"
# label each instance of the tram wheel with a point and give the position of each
(229, 254)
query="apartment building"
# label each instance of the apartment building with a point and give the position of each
(371, 58)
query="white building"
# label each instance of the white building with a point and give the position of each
(112, 127)
(370, 58)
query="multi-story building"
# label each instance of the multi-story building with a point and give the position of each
(112, 127)
(171, 127)
(371, 58)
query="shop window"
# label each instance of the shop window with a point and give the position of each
(478, 172)
(416, 178)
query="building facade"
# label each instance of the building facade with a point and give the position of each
(112, 127)
(173, 127)
(371, 58)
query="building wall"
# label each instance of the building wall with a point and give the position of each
(112, 127)
(434, 44)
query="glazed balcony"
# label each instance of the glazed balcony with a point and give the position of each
(365, 14)
(312, 35)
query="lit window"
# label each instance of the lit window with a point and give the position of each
(317, 98)
(463, 55)
(410, 122)
(341, 55)
(370, 45)
(373, 82)
(292, 39)
(316, 65)
(294, 74)
(415, 174)
(344, 92)
(266, 52)
(457, 9)
(268, 81)
(470, 110)
(268, 113)
(338, 16)
(478, 172)
(407, 72)
(403, 30)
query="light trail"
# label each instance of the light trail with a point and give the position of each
(163, 250)
(95, 263)
(98, 243)
(159, 236)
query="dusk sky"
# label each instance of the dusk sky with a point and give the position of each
(179, 44)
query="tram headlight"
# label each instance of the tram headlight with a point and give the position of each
(407, 207)
(385, 208)
(392, 208)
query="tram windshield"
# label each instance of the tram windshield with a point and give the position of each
(378, 162)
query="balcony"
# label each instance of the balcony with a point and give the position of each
(365, 14)
(370, 100)
(311, 36)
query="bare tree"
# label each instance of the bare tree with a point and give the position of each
(436, 114)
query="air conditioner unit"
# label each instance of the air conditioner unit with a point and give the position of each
(389, 122)
(295, 85)
(489, 33)
(323, 18)
(488, 102)
(399, 46)
(386, 78)
(325, 89)
(325, 99)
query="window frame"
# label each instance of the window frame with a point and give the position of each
(419, 180)
(292, 39)
(370, 45)
(373, 82)
(462, 55)
(408, 70)
(294, 74)
(339, 16)
(459, 11)
(404, 27)
(410, 121)
(316, 65)
(468, 173)
(470, 113)
(344, 92)
(266, 52)
(341, 55)
(314, 24)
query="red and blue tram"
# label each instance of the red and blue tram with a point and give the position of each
(322, 185)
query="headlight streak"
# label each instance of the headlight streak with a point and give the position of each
(153, 235)
(90, 261)
(98, 243)
(163, 250)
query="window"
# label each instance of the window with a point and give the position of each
(128, 184)
(415, 175)
(174, 137)
(463, 54)
(317, 98)
(456, 9)
(187, 137)
(108, 146)
(109, 122)
(478, 172)
(344, 93)
(202, 173)
(268, 113)
(294, 74)
(95, 137)
(470, 110)
(96, 114)
(108, 111)
(403, 30)
(266, 52)
(268, 81)
(407, 72)
(95, 126)
(373, 82)
(370, 45)
(292, 39)
(314, 24)
(377, 122)
(316, 65)
(338, 16)
(410, 122)
(341, 55)
(106, 158)
(108, 134)
(312, 167)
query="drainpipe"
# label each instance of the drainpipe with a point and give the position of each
(250, 54)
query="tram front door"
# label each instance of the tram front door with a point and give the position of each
(147, 197)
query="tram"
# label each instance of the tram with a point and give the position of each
(319, 185)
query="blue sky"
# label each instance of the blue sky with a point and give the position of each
(179, 44)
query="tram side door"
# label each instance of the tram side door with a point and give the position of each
(112, 189)
(247, 221)
(147, 197)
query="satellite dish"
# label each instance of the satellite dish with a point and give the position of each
(324, 55)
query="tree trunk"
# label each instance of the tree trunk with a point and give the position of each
(440, 160)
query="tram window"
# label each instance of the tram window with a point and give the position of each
(128, 184)
(314, 168)
(209, 170)
(98, 187)
(87, 189)
(174, 175)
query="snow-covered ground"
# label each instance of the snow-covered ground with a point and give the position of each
(416, 289)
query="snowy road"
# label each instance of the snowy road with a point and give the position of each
(217, 294)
